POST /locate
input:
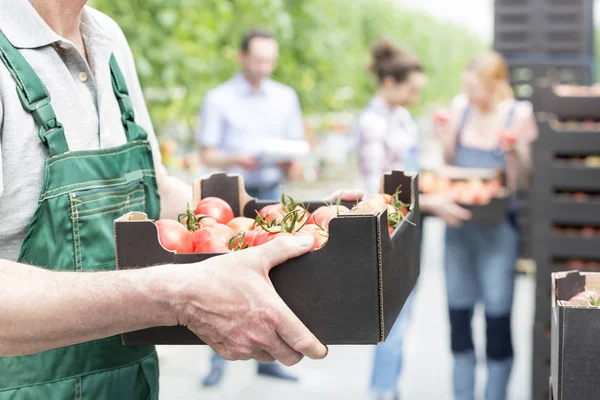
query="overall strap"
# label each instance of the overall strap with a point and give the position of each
(132, 131)
(463, 123)
(511, 114)
(34, 98)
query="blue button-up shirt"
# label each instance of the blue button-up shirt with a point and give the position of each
(238, 120)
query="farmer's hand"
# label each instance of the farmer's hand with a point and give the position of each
(230, 303)
(247, 162)
(347, 195)
(444, 207)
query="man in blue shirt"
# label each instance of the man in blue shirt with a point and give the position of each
(241, 117)
(239, 120)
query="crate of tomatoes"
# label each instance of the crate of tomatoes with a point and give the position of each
(480, 191)
(348, 290)
(575, 327)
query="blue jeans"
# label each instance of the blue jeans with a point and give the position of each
(267, 193)
(387, 364)
(480, 265)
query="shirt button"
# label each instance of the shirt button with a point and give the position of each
(83, 76)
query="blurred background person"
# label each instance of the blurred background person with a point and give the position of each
(388, 139)
(241, 117)
(480, 259)
(238, 119)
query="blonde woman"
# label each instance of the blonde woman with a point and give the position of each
(488, 128)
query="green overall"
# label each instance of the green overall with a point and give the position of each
(72, 230)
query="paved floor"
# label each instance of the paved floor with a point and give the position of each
(344, 375)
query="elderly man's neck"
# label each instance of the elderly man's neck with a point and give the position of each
(63, 16)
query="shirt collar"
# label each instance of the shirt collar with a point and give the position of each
(244, 86)
(25, 28)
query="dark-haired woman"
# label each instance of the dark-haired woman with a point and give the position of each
(388, 140)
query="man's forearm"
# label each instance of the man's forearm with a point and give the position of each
(42, 310)
(217, 159)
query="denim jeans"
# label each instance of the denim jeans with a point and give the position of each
(268, 193)
(387, 364)
(480, 265)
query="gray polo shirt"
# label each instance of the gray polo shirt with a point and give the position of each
(82, 97)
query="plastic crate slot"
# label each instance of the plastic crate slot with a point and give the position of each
(583, 231)
(577, 196)
(513, 36)
(566, 3)
(589, 160)
(512, 20)
(563, 18)
(576, 264)
(511, 3)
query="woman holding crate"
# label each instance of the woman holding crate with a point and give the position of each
(388, 139)
(487, 129)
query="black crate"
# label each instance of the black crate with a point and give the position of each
(560, 246)
(550, 174)
(557, 211)
(525, 72)
(551, 26)
(565, 107)
(575, 348)
(564, 138)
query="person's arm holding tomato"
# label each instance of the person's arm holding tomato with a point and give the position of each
(516, 143)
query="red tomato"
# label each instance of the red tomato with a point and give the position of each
(508, 137)
(324, 214)
(212, 245)
(205, 220)
(481, 197)
(580, 197)
(249, 237)
(216, 208)
(321, 236)
(174, 236)
(239, 224)
(273, 212)
(441, 117)
(222, 232)
(588, 231)
(576, 264)
(264, 237)
(590, 295)
(493, 187)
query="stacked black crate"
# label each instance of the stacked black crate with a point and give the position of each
(566, 198)
(553, 41)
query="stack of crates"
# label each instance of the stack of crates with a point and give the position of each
(545, 38)
(566, 195)
(547, 42)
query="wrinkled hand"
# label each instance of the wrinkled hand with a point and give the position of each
(248, 162)
(347, 195)
(231, 304)
(444, 207)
